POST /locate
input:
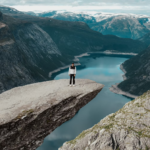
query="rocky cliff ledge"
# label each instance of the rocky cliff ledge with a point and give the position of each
(29, 113)
(127, 129)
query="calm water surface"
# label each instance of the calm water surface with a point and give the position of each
(103, 69)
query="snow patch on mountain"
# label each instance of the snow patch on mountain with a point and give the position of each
(99, 16)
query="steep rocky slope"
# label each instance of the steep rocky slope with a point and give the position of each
(29, 113)
(137, 73)
(31, 47)
(27, 53)
(127, 129)
(13, 72)
(145, 38)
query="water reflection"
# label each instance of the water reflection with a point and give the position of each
(100, 68)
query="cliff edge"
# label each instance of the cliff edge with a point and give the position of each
(127, 129)
(29, 113)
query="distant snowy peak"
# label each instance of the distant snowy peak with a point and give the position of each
(119, 24)
(94, 13)
(98, 16)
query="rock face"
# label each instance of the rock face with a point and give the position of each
(27, 53)
(127, 129)
(1, 15)
(29, 113)
(145, 38)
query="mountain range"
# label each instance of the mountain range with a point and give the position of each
(122, 25)
(32, 46)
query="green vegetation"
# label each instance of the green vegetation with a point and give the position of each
(118, 148)
(112, 117)
(108, 127)
(24, 113)
(139, 133)
(82, 135)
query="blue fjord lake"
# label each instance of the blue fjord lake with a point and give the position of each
(103, 69)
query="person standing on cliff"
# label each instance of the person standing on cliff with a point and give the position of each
(72, 74)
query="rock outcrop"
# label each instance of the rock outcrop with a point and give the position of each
(29, 113)
(127, 129)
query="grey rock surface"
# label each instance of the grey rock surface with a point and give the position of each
(29, 113)
(127, 129)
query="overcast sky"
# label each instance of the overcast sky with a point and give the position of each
(129, 6)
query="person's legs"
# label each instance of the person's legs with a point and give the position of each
(70, 78)
(74, 79)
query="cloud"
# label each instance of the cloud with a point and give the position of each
(77, 2)
(110, 6)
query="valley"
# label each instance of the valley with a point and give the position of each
(41, 45)
(36, 50)
(122, 25)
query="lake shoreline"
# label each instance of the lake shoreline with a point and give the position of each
(124, 75)
(76, 59)
(67, 66)
(117, 90)
(109, 52)
(100, 68)
(113, 88)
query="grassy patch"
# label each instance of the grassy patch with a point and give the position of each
(139, 133)
(108, 127)
(112, 117)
